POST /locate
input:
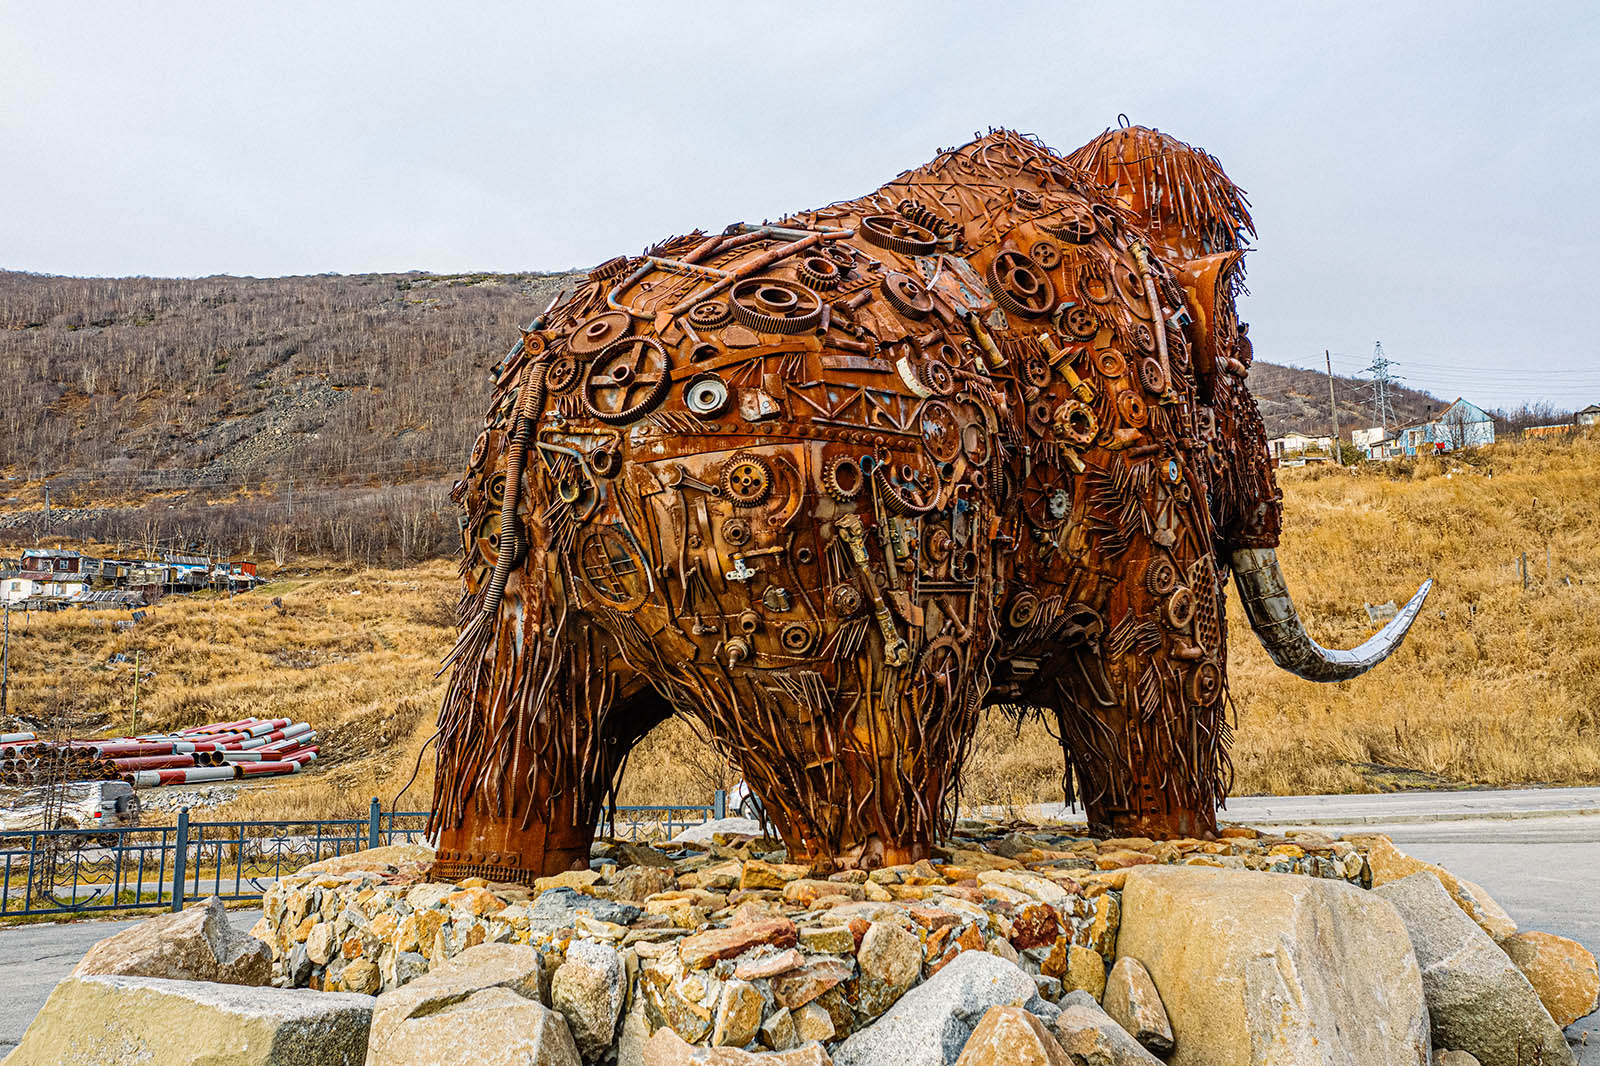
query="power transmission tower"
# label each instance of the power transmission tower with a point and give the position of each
(1381, 387)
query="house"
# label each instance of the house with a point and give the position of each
(53, 573)
(1589, 416)
(1293, 444)
(1460, 425)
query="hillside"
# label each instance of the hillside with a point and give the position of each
(1294, 399)
(326, 415)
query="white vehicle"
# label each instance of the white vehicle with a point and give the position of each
(86, 805)
(743, 802)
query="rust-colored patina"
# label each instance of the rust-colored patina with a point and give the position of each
(832, 486)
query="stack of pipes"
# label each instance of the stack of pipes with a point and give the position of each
(220, 751)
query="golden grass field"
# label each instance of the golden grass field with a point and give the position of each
(1497, 685)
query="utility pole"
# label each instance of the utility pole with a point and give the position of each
(1381, 386)
(133, 726)
(1333, 409)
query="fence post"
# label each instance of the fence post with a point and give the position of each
(374, 812)
(180, 860)
(719, 804)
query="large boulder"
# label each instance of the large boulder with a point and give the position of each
(514, 967)
(1562, 971)
(1478, 1000)
(116, 1020)
(1091, 1037)
(588, 989)
(391, 857)
(492, 1027)
(196, 944)
(929, 1025)
(1260, 968)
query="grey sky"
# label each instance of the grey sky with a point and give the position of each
(1423, 175)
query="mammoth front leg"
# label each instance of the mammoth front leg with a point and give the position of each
(1142, 717)
(527, 753)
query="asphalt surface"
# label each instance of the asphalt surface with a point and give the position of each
(1537, 851)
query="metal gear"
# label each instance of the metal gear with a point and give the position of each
(627, 379)
(1020, 285)
(820, 272)
(907, 295)
(1037, 371)
(1135, 412)
(611, 268)
(1180, 608)
(941, 432)
(842, 478)
(924, 216)
(747, 479)
(1205, 684)
(1109, 362)
(1076, 423)
(597, 331)
(774, 305)
(937, 375)
(1160, 576)
(1078, 322)
(1143, 338)
(710, 314)
(1023, 609)
(898, 235)
(1152, 377)
(563, 373)
(1075, 224)
(1046, 253)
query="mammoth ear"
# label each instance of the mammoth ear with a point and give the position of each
(1207, 283)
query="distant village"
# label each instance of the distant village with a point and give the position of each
(54, 578)
(1460, 425)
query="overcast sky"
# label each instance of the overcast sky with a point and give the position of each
(1424, 175)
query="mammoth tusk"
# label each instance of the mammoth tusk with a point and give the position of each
(1277, 625)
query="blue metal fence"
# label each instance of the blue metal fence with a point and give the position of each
(80, 871)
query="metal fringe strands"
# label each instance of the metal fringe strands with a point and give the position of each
(830, 486)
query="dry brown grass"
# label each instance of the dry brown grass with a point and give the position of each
(1497, 684)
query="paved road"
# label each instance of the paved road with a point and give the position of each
(1535, 850)
(34, 957)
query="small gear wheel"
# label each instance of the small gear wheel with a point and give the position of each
(842, 478)
(1028, 201)
(1075, 224)
(927, 218)
(937, 375)
(1037, 371)
(898, 235)
(1046, 253)
(1152, 377)
(907, 295)
(1142, 337)
(1160, 576)
(820, 272)
(1023, 609)
(1078, 323)
(710, 314)
(845, 600)
(1135, 412)
(1110, 363)
(1205, 684)
(1020, 285)
(747, 479)
(597, 331)
(563, 373)
(706, 396)
(480, 449)
(941, 432)
(627, 379)
(773, 305)
(1180, 608)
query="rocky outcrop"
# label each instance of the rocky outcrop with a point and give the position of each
(115, 1020)
(196, 944)
(1255, 968)
(1479, 1002)
(1132, 1002)
(1561, 971)
(1389, 864)
(930, 1024)
(667, 1048)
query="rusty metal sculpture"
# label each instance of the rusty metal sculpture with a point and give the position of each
(834, 485)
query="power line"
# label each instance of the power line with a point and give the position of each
(1381, 386)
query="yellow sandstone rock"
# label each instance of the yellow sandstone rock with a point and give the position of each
(1562, 971)
(1389, 863)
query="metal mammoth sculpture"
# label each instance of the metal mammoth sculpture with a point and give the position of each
(833, 485)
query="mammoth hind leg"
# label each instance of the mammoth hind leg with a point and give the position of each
(524, 767)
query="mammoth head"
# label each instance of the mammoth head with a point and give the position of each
(1198, 222)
